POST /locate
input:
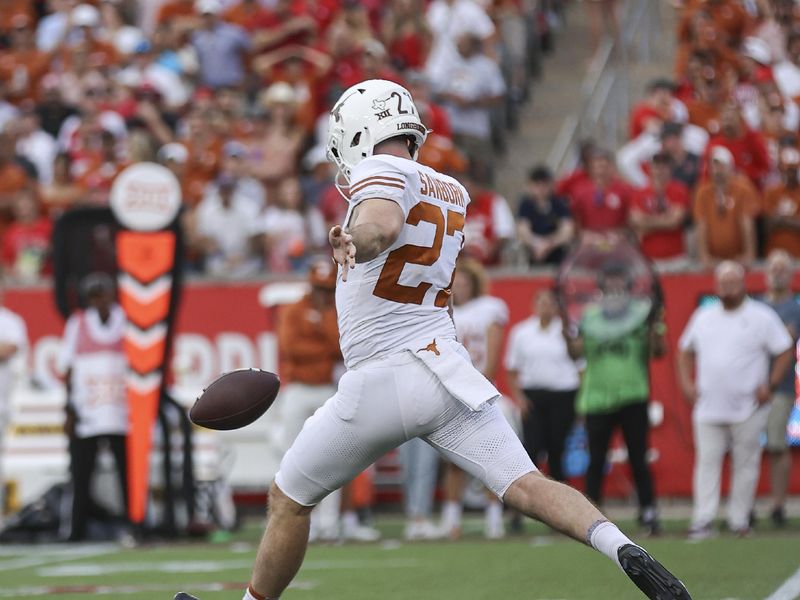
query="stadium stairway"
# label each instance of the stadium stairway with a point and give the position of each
(556, 94)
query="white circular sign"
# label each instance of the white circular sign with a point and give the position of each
(146, 197)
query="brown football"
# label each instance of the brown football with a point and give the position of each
(236, 399)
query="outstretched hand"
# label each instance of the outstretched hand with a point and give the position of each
(344, 251)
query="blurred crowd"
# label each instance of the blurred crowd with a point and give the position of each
(710, 168)
(233, 96)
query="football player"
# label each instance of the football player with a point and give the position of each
(407, 375)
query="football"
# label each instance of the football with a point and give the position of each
(235, 399)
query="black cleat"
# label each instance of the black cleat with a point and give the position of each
(650, 576)
(184, 596)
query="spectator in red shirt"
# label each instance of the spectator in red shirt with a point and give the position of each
(749, 148)
(406, 33)
(26, 242)
(657, 106)
(602, 202)
(567, 185)
(490, 223)
(658, 212)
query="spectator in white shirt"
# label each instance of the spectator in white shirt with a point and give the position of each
(544, 381)
(471, 85)
(447, 20)
(225, 219)
(36, 145)
(787, 72)
(13, 343)
(729, 344)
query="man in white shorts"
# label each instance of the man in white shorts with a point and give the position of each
(407, 374)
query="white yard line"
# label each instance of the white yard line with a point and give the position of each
(90, 569)
(48, 558)
(790, 590)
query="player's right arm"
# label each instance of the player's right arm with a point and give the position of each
(375, 226)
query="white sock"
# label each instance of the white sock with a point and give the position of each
(350, 519)
(248, 595)
(606, 537)
(493, 512)
(451, 514)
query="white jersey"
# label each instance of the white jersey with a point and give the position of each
(399, 299)
(473, 320)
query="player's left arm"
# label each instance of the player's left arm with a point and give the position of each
(374, 226)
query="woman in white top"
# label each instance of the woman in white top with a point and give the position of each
(543, 380)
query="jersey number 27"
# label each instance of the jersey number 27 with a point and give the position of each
(389, 287)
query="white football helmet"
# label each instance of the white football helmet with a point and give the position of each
(366, 114)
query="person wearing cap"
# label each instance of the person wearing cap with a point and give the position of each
(87, 38)
(93, 362)
(221, 47)
(309, 358)
(782, 206)
(447, 21)
(724, 210)
(276, 147)
(733, 356)
(13, 345)
(658, 212)
(654, 109)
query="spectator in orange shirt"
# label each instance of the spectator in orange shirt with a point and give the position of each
(724, 209)
(704, 36)
(12, 10)
(704, 110)
(23, 65)
(782, 207)
(248, 14)
(730, 20)
(180, 14)
(205, 150)
(658, 212)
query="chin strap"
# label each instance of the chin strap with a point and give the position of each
(342, 184)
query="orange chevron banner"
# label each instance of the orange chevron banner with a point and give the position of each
(145, 198)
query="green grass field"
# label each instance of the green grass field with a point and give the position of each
(534, 566)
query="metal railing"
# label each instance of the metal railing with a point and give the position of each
(605, 91)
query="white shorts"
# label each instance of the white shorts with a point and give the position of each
(382, 404)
